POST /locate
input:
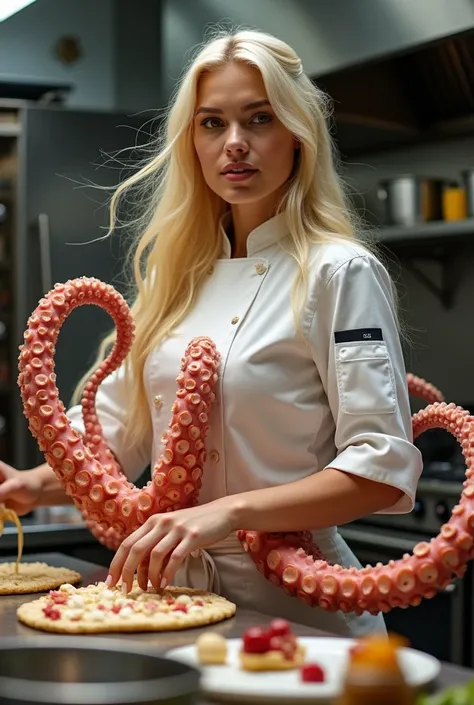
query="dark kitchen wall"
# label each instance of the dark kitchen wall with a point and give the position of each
(442, 340)
(119, 67)
(28, 40)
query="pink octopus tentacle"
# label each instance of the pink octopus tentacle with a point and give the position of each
(115, 507)
(294, 563)
(94, 438)
(105, 499)
(419, 387)
(110, 537)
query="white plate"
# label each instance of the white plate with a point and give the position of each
(230, 682)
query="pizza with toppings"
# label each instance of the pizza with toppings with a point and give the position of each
(98, 609)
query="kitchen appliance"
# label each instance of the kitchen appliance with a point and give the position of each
(442, 626)
(410, 199)
(57, 230)
(58, 670)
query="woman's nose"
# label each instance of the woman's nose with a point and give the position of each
(236, 144)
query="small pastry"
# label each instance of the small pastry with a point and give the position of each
(211, 649)
(272, 649)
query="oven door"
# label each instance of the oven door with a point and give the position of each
(437, 626)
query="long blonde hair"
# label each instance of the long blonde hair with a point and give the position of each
(180, 237)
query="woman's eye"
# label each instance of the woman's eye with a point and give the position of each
(262, 118)
(211, 122)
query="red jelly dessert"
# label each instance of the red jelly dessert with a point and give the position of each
(312, 673)
(272, 649)
(256, 641)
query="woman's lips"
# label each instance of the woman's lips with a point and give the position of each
(240, 175)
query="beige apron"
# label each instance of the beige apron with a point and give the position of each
(226, 569)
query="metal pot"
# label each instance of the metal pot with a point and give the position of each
(468, 177)
(91, 671)
(410, 200)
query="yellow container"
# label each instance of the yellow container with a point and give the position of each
(454, 203)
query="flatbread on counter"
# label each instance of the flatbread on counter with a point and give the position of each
(98, 609)
(26, 578)
(33, 577)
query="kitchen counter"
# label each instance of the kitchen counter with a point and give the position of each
(91, 572)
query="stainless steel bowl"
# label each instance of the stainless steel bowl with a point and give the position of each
(91, 671)
(410, 199)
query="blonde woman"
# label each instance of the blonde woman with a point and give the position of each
(248, 240)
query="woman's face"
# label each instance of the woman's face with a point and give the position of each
(246, 153)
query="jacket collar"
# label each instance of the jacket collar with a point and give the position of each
(263, 236)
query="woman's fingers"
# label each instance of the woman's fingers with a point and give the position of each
(123, 554)
(142, 573)
(174, 562)
(8, 487)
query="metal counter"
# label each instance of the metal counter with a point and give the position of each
(9, 625)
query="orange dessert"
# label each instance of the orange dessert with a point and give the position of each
(374, 675)
(272, 649)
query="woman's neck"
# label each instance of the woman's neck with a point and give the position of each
(244, 220)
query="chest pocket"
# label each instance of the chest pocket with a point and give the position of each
(365, 378)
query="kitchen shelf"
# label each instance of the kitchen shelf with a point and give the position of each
(435, 242)
(435, 229)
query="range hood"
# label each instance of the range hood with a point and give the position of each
(423, 93)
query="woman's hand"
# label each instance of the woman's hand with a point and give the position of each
(20, 490)
(157, 549)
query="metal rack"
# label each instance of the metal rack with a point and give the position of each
(439, 242)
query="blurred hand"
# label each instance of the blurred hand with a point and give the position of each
(157, 549)
(20, 490)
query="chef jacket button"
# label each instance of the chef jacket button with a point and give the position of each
(158, 401)
(214, 456)
(235, 320)
(260, 268)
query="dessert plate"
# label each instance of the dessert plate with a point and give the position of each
(230, 683)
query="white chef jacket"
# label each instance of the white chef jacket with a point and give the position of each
(286, 406)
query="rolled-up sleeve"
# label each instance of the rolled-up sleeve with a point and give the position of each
(112, 406)
(356, 346)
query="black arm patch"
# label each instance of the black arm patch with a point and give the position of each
(358, 335)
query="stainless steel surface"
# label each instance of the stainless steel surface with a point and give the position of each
(468, 177)
(409, 200)
(45, 251)
(50, 172)
(9, 625)
(83, 671)
(20, 245)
